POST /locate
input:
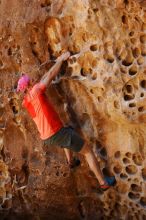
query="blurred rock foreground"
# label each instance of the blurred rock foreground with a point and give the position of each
(101, 92)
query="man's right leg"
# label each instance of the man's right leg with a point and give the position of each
(93, 163)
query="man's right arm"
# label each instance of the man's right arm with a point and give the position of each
(52, 73)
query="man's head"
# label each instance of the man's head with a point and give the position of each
(23, 83)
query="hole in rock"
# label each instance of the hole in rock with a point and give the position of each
(126, 160)
(131, 33)
(132, 70)
(124, 19)
(128, 97)
(94, 76)
(91, 90)
(95, 10)
(57, 173)
(137, 158)
(136, 52)
(69, 71)
(142, 94)
(105, 171)
(25, 168)
(144, 173)
(131, 169)
(117, 154)
(1, 63)
(132, 105)
(143, 201)
(143, 38)
(2, 125)
(126, 2)
(35, 53)
(24, 153)
(100, 99)
(83, 73)
(15, 86)
(15, 111)
(133, 196)
(136, 188)
(73, 60)
(141, 109)
(126, 62)
(64, 174)
(117, 169)
(73, 52)
(42, 5)
(93, 47)
(9, 51)
(103, 152)
(98, 145)
(64, 69)
(123, 176)
(110, 59)
(45, 3)
(129, 88)
(70, 33)
(143, 83)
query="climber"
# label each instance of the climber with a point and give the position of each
(51, 128)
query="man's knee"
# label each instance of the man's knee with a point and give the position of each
(85, 150)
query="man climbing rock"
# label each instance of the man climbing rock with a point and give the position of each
(51, 128)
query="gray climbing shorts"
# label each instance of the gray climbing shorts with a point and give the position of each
(66, 137)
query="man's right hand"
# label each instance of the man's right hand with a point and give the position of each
(63, 56)
(52, 73)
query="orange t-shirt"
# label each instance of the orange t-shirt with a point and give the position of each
(42, 112)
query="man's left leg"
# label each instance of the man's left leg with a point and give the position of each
(69, 155)
(72, 161)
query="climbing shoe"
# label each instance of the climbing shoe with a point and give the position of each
(74, 163)
(109, 181)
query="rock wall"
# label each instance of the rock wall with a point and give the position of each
(101, 91)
